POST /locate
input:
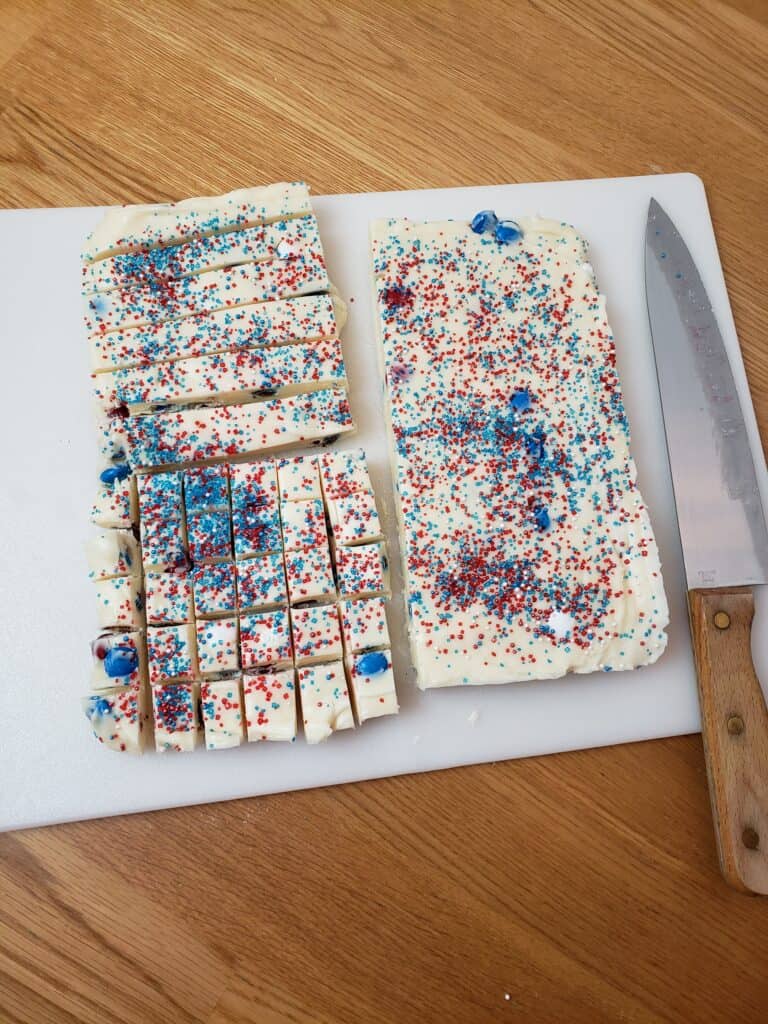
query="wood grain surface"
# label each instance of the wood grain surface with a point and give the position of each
(576, 888)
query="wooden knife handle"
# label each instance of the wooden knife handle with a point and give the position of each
(734, 724)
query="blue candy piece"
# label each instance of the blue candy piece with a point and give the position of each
(486, 220)
(372, 664)
(120, 661)
(508, 231)
(112, 473)
(542, 519)
(100, 706)
(521, 400)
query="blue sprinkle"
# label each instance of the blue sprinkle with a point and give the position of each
(486, 220)
(120, 661)
(508, 231)
(373, 663)
(542, 519)
(521, 400)
(112, 473)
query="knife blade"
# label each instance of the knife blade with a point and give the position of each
(724, 540)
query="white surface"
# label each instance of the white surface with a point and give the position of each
(52, 770)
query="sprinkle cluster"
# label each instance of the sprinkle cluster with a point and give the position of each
(528, 550)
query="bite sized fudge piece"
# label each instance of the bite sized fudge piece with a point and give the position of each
(160, 495)
(325, 706)
(117, 717)
(119, 659)
(316, 633)
(364, 624)
(261, 582)
(253, 483)
(206, 488)
(115, 505)
(256, 531)
(191, 435)
(168, 596)
(217, 646)
(222, 713)
(303, 524)
(227, 330)
(209, 535)
(175, 714)
(265, 639)
(373, 684)
(309, 574)
(362, 570)
(269, 702)
(119, 602)
(214, 589)
(354, 519)
(138, 228)
(162, 544)
(344, 473)
(113, 553)
(299, 479)
(170, 653)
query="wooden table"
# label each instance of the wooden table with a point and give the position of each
(581, 887)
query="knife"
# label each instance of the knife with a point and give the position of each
(724, 540)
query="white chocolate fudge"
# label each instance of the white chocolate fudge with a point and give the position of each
(189, 435)
(205, 293)
(224, 377)
(218, 646)
(354, 519)
(256, 531)
(303, 524)
(222, 713)
(316, 633)
(142, 227)
(304, 318)
(115, 505)
(269, 702)
(362, 570)
(162, 544)
(298, 479)
(168, 598)
(344, 473)
(117, 717)
(119, 602)
(309, 574)
(113, 553)
(214, 589)
(209, 536)
(284, 239)
(261, 582)
(175, 715)
(528, 551)
(372, 684)
(325, 706)
(171, 653)
(253, 484)
(364, 624)
(119, 659)
(206, 489)
(265, 639)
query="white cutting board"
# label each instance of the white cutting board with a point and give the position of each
(50, 767)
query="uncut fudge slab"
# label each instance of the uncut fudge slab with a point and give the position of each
(527, 549)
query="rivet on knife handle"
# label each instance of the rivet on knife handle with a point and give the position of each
(735, 730)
